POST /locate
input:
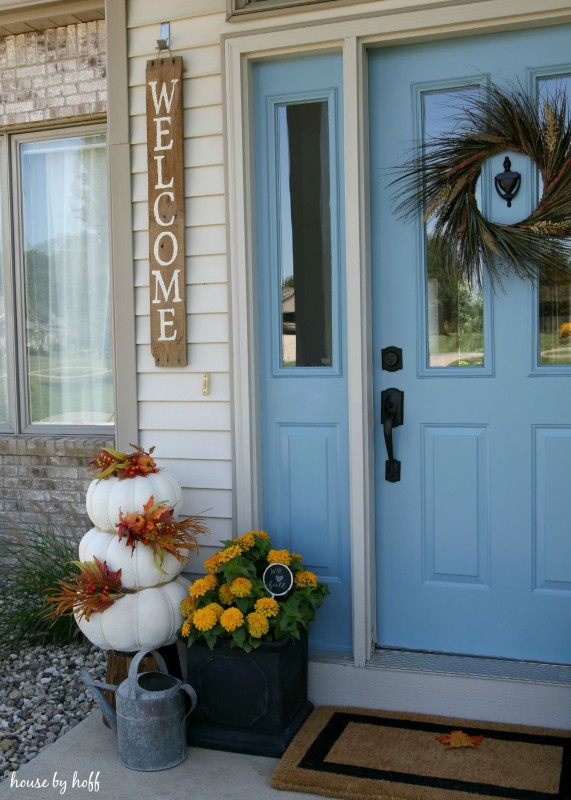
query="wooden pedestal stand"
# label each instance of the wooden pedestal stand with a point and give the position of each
(118, 664)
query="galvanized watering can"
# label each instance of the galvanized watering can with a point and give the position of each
(149, 720)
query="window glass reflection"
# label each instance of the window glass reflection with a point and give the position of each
(455, 308)
(305, 235)
(3, 366)
(66, 280)
(554, 297)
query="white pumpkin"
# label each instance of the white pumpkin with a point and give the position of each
(138, 568)
(145, 620)
(105, 498)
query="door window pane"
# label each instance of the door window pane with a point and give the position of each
(66, 281)
(455, 308)
(555, 322)
(304, 219)
(554, 297)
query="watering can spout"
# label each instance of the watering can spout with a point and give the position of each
(96, 690)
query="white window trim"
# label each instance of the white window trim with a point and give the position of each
(352, 36)
(11, 425)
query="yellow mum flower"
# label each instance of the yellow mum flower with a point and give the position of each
(212, 564)
(306, 578)
(241, 587)
(225, 595)
(279, 557)
(206, 618)
(246, 541)
(217, 608)
(231, 619)
(261, 534)
(229, 553)
(267, 607)
(187, 606)
(185, 631)
(202, 585)
(258, 625)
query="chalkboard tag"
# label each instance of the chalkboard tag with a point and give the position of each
(278, 579)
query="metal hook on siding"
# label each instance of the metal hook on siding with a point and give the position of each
(164, 42)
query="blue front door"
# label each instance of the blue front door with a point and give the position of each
(301, 324)
(474, 541)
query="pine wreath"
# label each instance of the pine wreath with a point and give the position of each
(439, 182)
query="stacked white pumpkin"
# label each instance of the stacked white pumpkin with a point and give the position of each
(149, 617)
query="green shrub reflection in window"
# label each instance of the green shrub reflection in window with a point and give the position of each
(554, 298)
(455, 312)
(555, 322)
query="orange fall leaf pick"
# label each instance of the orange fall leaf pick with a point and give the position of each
(459, 739)
(157, 528)
(94, 589)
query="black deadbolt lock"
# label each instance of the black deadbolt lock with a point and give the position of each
(391, 358)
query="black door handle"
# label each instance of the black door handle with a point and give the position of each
(392, 415)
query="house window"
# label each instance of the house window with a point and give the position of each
(239, 7)
(259, 5)
(55, 334)
(4, 414)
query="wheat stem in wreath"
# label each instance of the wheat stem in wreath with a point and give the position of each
(439, 182)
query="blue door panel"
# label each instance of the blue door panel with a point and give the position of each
(474, 542)
(303, 409)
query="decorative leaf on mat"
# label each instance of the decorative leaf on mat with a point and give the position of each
(459, 739)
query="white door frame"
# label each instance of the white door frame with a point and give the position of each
(403, 22)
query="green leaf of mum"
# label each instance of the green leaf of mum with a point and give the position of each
(239, 636)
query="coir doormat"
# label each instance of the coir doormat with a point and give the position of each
(376, 755)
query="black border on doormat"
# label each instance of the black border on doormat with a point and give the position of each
(314, 758)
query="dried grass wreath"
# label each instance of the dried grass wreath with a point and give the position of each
(440, 183)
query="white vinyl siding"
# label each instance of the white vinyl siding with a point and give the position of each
(191, 432)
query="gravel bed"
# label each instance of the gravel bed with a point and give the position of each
(42, 696)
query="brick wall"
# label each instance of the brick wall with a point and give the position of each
(46, 472)
(53, 74)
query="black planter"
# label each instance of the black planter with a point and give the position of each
(248, 702)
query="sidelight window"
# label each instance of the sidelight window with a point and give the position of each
(305, 234)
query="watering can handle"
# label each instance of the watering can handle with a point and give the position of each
(134, 668)
(186, 687)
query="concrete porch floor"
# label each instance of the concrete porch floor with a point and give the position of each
(89, 752)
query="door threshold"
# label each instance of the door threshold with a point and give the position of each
(473, 666)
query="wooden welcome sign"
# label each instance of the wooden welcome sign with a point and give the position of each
(166, 211)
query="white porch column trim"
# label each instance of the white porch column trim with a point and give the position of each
(120, 227)
(243, 316)
(359, 366)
